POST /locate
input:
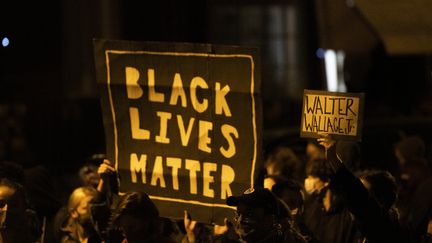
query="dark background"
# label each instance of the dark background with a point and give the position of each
(49, 109)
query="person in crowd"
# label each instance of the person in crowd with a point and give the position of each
(271, 180)
(196, 232)
(419, 216)
(78, 225)
(408, 148)
(381, 186)
(290, 192)
(414, 170)
(325, 215)
(138, 219)
(314, 150)
(39, 192)
(43, 196)
(18, 223)
(108, 198)
(262, 217)
(171, 229)
(88, 175)
(317, 176)
(410, 154)
(372, 214)
(282, 161)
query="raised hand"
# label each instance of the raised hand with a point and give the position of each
(221, 229)
(105, 169)
(189, 225)
(327, 141)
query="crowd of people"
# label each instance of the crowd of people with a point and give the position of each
(328, 197)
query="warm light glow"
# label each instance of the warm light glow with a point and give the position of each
(5, 42)
(331, 70)
(334, 67)
(340, 58)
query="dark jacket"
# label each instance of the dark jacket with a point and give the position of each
(375, 223)
(421, 212)
(69, 233)
(336, 225)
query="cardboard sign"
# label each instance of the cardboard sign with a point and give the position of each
(182, 122)
(339, 114)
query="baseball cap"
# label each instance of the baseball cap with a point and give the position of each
(261, 198)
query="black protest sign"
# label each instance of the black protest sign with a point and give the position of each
(182, 122)
(339, 114)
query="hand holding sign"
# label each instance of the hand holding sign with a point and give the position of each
(327, 141)
(189, 225)
(105, 170)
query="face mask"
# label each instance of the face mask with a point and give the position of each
(309, 185)
(314, 185)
